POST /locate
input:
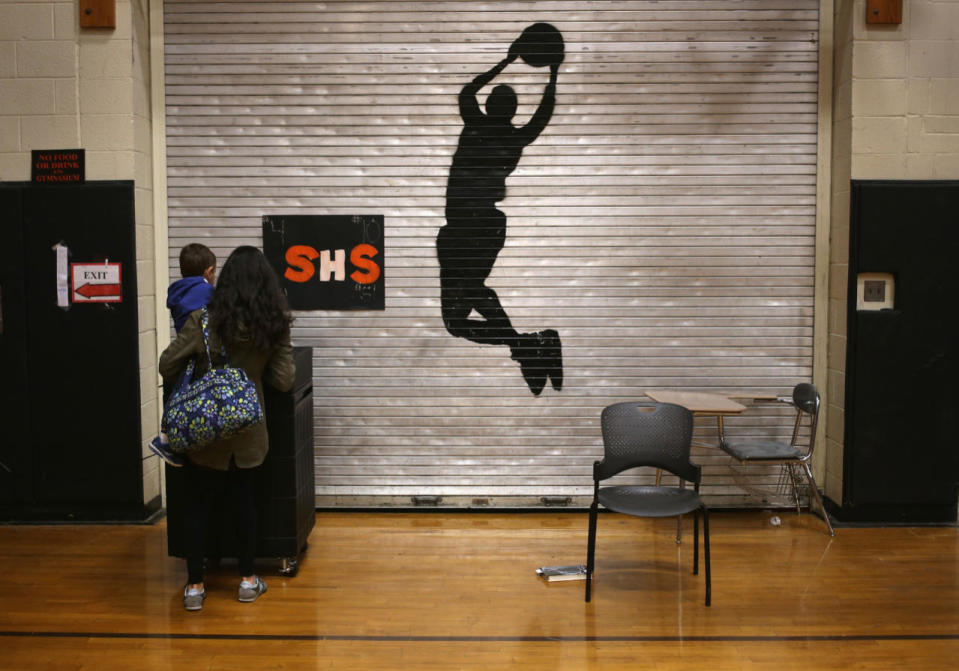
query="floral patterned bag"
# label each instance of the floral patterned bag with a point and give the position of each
(218, 405)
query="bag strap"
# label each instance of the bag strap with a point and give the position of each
(205, 323)
(185, 377)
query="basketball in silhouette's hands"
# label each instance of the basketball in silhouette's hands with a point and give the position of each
(540, 45)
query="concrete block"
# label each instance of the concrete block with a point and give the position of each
(833, 486)
(14, 166)
(9, 134)
(934, 135)
(940, 143)
(48, 132)
(877, 135)
(839, 227)
(878, 97)
(142, 135)
(105, 59)
(914, 134)
(27, 96)
(838, 322)
(106, 96)
(126, 164)
(933, 58)
(8, 61)
(143, 202)
(838, 283)
(143, 173)
(944, 96)
(917, 96)
(835, 420)
(941, 124)
(148, 386)
(933, 20)
(920, 166)
(101, 165)
(946, 166)
(148, 347)
(65, 92)
(124, 29)
(146, 313)
(836, 383)
(883, 60)
(879, 166)
(107, 132)
(832, 457)
(46, 59)
(146, 283)
(141, 99)
(26, 21)
(66, 21)
(837, 352)
(149, 422)
(151, 477)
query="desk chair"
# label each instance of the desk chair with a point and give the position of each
(805, 398)
(648, 434)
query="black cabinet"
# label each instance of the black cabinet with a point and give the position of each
(900, 462)
(71, 447)
(286, 502)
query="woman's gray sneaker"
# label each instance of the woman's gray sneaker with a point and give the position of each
(193, 599)
(250, 591)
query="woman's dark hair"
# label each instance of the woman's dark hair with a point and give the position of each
(248, 293)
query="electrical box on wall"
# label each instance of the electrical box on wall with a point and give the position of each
(887, 12)
(875, 291)
(98, 13)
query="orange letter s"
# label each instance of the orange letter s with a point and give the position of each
(300, 257)
(361, 257)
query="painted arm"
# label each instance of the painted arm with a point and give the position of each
(469, 105)
(544, 112)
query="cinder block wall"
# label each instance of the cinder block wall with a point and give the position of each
(63, 87)
(895, 116)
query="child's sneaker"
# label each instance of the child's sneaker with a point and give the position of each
(162, 450)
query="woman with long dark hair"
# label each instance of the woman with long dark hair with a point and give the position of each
(250, 319)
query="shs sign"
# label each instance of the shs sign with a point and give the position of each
(328, 262)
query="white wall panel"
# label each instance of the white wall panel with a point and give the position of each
(663, 223)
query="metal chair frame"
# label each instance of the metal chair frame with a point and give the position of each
(805, 398)
(673, 458)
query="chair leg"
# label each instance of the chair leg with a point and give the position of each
(709, 579)
(696, 543)
(815, 491)
(794, 479)
(590, 549)
(679, 529)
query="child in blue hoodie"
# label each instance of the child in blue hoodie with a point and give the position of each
(192, 292)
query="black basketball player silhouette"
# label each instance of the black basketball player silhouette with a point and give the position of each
(467, 246)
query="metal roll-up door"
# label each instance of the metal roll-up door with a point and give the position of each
(662, 223)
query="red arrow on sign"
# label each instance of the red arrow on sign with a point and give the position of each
(92, 290)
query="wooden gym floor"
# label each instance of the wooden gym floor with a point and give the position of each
(452, 591)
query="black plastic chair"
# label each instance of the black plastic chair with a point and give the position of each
(648, 434)
(805, 398)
